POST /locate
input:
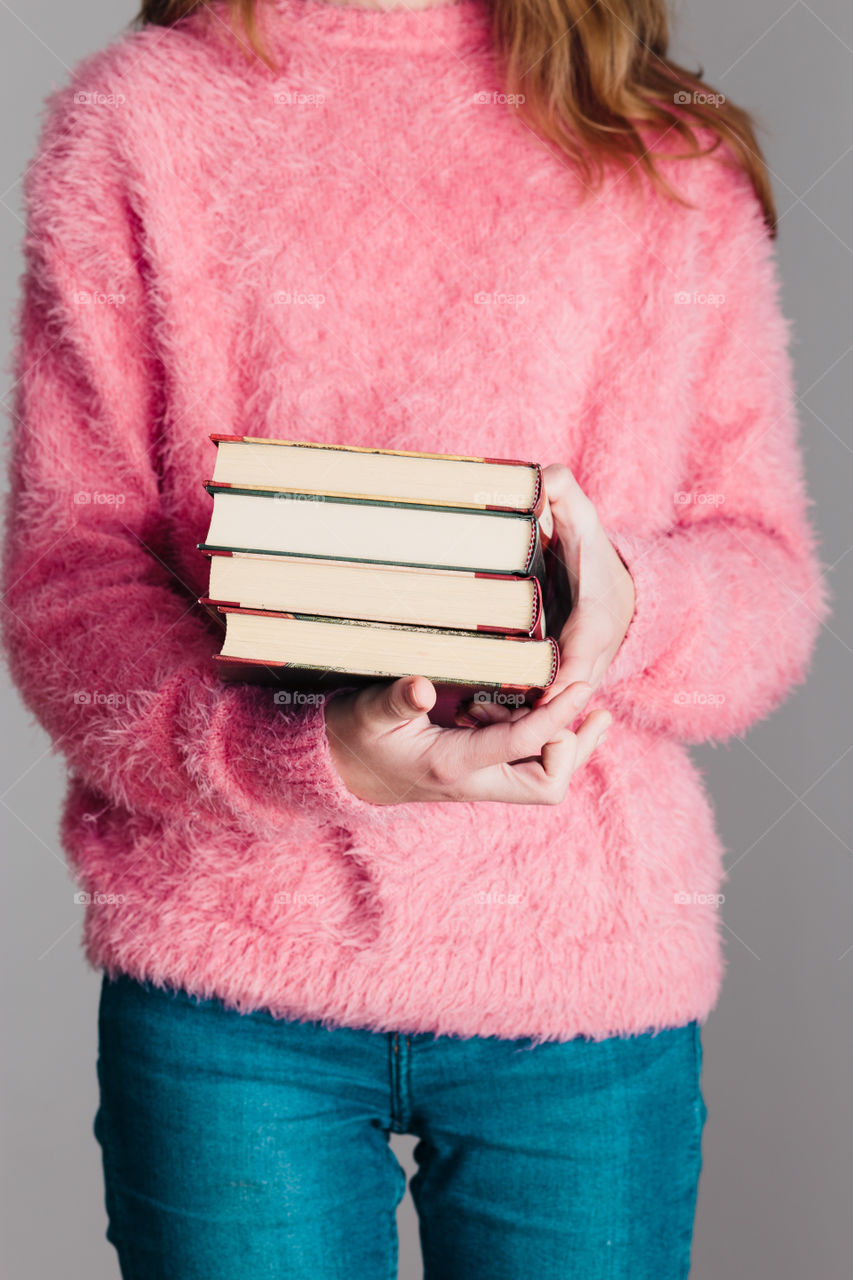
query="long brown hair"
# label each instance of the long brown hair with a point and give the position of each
(590, 77)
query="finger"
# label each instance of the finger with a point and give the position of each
(558, 480)
(590, 734)
(543, 780)
(582, 691)
(388, 706)
(516, 739)
(558, 761)
(505, 784)
(574, 513)
(525, 782)
(549, 777)
(583, 642)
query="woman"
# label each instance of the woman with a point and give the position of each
(522, 232)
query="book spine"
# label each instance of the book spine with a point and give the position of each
(535, 567)
(537, 624)
(555, 661)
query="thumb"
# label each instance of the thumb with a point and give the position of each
(403, 700)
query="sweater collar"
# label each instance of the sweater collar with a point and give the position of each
(465, 24)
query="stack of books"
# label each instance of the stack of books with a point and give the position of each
(333, 566)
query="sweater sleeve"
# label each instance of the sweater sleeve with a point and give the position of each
(730, 597)
(109, 650)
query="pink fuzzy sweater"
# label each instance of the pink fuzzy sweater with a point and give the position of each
(366, 247)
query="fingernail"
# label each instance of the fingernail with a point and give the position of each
(413, 699)
(478, 713)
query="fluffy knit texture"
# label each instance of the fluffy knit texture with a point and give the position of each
(365, 246)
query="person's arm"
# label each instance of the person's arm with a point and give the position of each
(109, 650)
(700, 629)
(730, 598)
(718, 613)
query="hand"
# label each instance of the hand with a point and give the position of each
(602, 589)
(602, 593)
(388, 752)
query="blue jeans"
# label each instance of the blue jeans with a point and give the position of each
(241, 1147)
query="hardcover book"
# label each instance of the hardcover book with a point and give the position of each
(322, 653)
(485, 484)
(379, 532)
(378, 593)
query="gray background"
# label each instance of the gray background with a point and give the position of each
(775, 1193)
